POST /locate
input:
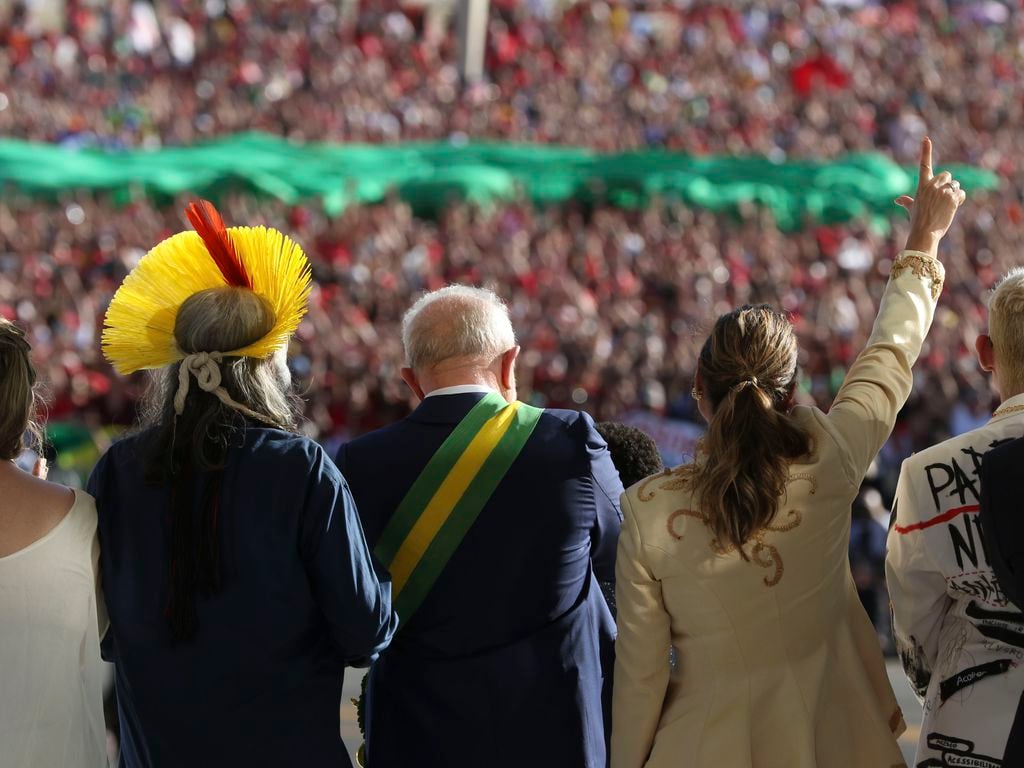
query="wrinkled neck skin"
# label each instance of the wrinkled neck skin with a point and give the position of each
(498, 374)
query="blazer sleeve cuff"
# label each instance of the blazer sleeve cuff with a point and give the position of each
(923, 265)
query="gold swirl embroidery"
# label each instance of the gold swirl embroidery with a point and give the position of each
(773, 558)
(675, 479)
(682, 513)
(808, 477)
(762, 553)
(671, 480)
(795, 518)
(641, 492)
(678, 478)
(922, 266)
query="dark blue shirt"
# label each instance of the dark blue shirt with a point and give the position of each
(260, 684)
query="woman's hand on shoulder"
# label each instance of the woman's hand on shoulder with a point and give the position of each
(934, 205)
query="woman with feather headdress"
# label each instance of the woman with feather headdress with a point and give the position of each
(237, 577)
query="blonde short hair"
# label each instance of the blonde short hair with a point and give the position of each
(1006, 326)
(456, 321)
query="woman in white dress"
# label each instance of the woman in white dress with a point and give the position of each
(51, 706)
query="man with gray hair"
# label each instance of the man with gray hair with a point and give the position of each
(495, 520)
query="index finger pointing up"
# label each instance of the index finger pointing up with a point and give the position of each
(926, 162)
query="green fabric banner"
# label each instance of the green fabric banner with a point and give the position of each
(428, 175)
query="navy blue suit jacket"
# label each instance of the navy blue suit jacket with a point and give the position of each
(503, 663)
(1002, 525)
(260, 683)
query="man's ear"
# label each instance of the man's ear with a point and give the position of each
(986, 352)
(508, 367)
(409, 377)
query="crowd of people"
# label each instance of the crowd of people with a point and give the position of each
(786, 78)
(610, 305)
(231, 568)
(608, 301)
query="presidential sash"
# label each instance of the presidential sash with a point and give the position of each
(443, 503)
(448, 496)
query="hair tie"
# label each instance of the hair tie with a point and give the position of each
(205, 367)
(749, 381)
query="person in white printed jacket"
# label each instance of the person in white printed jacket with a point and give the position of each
(960, 639)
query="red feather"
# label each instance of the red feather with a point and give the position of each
(210, 227)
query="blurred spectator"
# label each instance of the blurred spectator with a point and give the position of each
(781, 78)
(867, 552)
(609, 301)
(634, 453)
(635, 456)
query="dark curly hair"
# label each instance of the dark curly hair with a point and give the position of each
(634, 454)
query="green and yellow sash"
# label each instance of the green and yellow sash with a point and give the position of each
(444, 502)
(447, 497)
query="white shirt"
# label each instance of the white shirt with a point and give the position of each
(961, 641)
(460, 389)
(51, 697)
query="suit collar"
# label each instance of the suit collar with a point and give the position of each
(460, 389)
(1007, 408)
(445, 409)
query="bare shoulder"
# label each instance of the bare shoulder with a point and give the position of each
(54, 495)
(30, 509)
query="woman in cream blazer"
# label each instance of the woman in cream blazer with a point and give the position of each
(777, 663)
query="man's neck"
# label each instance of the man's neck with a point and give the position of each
(1007, 389)
(1010, 393)
(459, 377)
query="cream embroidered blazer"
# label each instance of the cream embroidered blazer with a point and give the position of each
(778, 664)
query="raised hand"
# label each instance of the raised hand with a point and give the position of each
(933, 207)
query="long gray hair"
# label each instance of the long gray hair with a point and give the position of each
(190, 449)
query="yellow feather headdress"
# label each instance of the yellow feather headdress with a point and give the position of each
(139, 325)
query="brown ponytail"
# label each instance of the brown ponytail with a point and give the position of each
(748, 370)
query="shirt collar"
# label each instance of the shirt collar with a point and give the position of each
(1014, 405)
(460, 389)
